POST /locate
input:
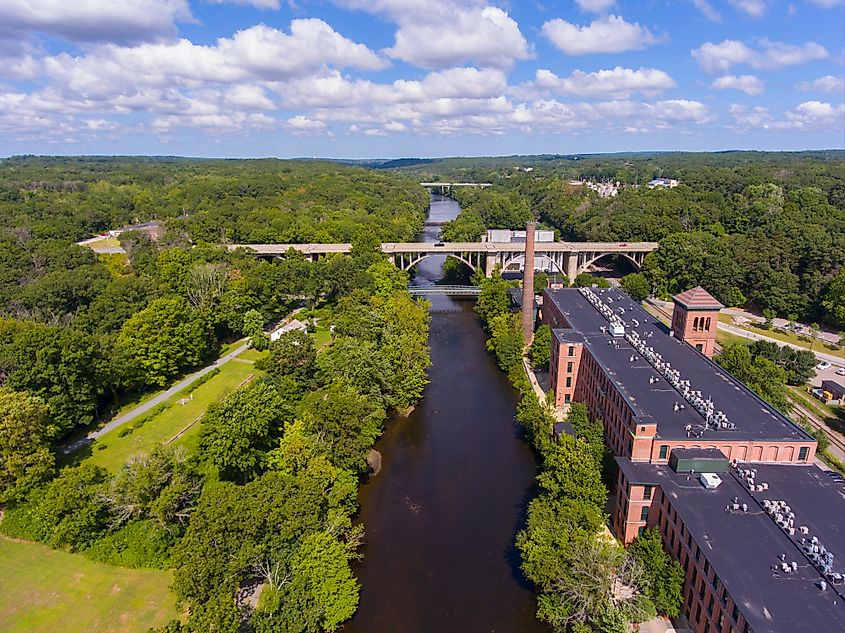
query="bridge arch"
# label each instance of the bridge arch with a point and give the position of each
(636, 259)
(407, 264)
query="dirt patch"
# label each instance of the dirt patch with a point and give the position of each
(374, 461)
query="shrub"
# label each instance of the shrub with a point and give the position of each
(126, 430)
(138, 544)
(199, 382)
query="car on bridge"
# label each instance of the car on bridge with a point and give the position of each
(439, 244)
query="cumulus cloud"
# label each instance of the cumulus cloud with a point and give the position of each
(808, 115)
(595, 6)
(439, 34)
(259, 52)
(752, 8)
(708, 10)
(770, 56)
(828, 83)
(303, 126)
(616, 83)
(608, 34)
(126, 21)
(827, 4)
(749, 84)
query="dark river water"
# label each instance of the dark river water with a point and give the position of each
(456, 477)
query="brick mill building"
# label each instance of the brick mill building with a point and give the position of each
(727, 479)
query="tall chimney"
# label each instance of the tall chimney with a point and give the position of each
(528, 285)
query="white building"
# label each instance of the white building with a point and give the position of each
(288, 327)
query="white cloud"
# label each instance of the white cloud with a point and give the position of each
(440, 34)
(828, 83)
(817, 114)
(617, 82)
(249, 97)
(94, 20)
(753, 8)
(258, 4)
(808, 115)
(749, 84)
(708, 10)
(302, 126)
(259, 52)
(488, 36)
(608, 34)
(772, 55)
(595, 6)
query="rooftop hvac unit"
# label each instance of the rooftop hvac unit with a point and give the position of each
(617, 329)
(710, 481)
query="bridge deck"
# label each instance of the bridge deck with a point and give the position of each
(458, 247)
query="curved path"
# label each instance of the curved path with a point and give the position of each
(142, 408)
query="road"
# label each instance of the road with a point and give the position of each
(153, 402)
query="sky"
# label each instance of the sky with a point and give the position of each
(421, 78)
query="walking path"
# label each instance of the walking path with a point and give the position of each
(130, 415)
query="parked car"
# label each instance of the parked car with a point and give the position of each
(823, 365)
(840, 371)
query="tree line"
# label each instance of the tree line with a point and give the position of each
(268, 496)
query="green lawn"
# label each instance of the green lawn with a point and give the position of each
(46, 591)
(321, 337)
(251, 355)
(167, 424)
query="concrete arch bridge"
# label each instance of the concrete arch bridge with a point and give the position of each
(568, 258)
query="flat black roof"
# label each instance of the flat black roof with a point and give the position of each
(698, 453)
(742, 546)
(754, 418)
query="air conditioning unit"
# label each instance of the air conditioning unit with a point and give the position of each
(710, 481)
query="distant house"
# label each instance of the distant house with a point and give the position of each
(667, 183)
(288, 327)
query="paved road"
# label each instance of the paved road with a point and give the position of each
(732, 329)
(152, 402)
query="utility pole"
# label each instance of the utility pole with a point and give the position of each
(528, 285)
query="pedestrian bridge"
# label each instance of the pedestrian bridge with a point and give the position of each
(451, 291)
(566, 258)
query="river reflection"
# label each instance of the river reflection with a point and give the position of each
(456, 476)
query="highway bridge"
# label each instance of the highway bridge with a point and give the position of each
(567, 258)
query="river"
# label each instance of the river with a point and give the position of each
(456, 477)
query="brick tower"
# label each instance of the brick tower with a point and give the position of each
(696, 318)
(528, 285)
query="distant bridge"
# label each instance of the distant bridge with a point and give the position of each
(567, 258)
(452, 291)
(445, 187)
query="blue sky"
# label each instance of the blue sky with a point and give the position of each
(391, 78)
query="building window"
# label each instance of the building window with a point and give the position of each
(647, 492)
(568, 382)
(664, 451)
(569, 368)
(640, 530)
(707, 324)
(566, 398)
(802, 453)
(644, 513)
(706, 567)
(735, 614)
(699, 347)
(570, 351)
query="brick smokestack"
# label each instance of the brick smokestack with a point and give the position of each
(528, 285)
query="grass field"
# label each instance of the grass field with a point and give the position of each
(45, 591)
(251, 355)
(167, 424)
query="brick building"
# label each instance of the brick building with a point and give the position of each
(670, 415)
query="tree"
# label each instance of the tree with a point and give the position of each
(493, 299)
(760, 374)
(541, 348)
(26, 458)
(359, 364)
(65, 368)
(664, 576)
(586, 279)
(387, 278)
(769, 315)
(570, 472)
(814, 334)
(238, 431)
(636, 285)
(833, 300)
(162, 339)
(345, 422)
(506, 340)
(292, 354)
(205, 284)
